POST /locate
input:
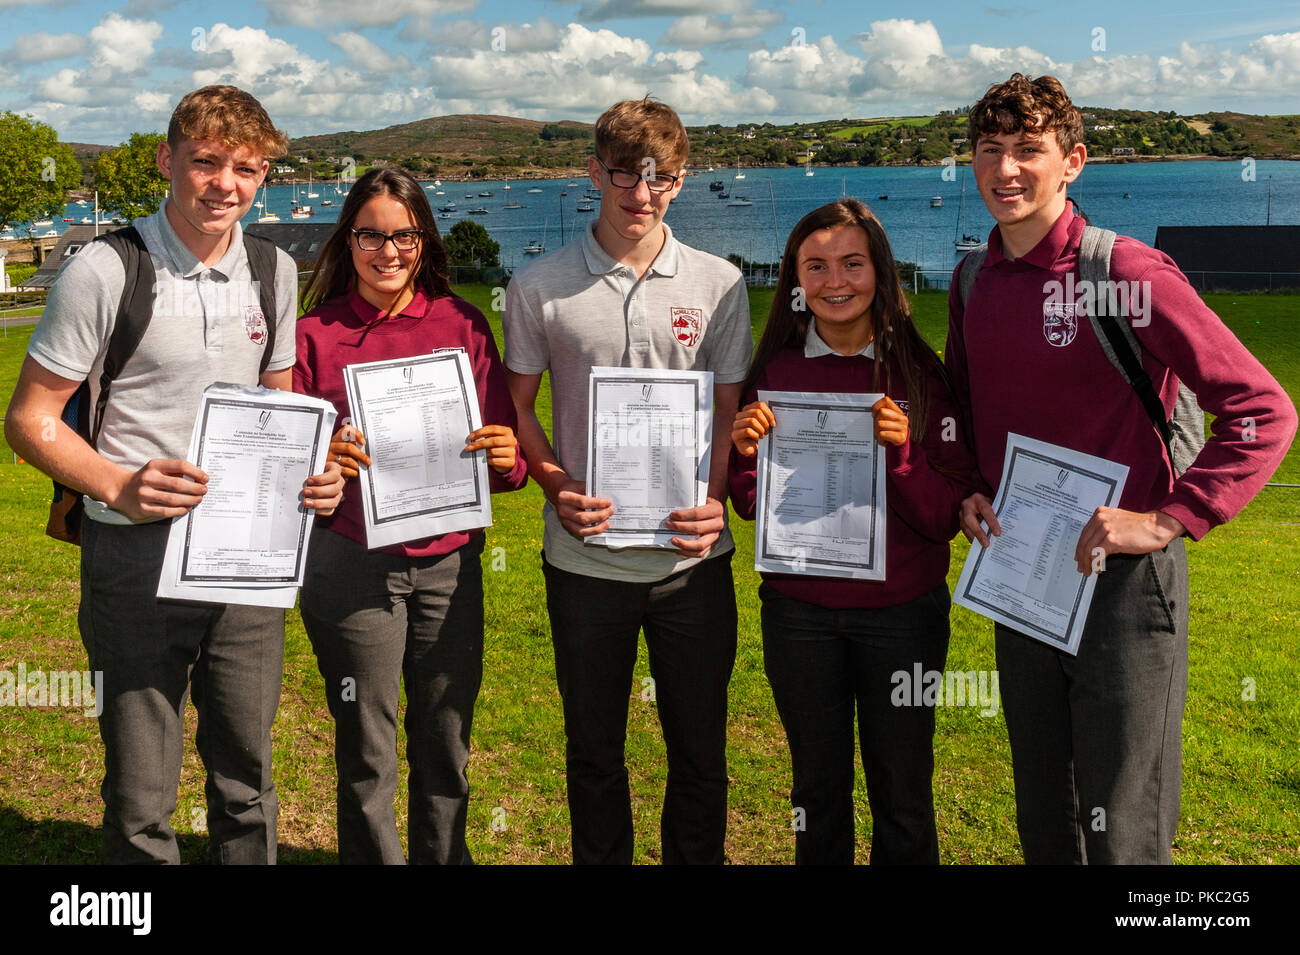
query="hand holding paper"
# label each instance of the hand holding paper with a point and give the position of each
(703, 524)
(752, 422)
(323, 492)
(345, 449)
(974, 510)
(890, 422)
(162, 488)
(500, 443)
(261, 454)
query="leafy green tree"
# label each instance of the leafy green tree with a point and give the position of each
(128, 179)
(36, 170)
(468, 243)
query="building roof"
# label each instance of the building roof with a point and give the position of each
(1232, 248)
(302, 240)
(68, 245)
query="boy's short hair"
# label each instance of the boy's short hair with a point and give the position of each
(1035, 106)
(633, 129)
(228, 115)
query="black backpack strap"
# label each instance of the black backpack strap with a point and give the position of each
(1114, 336)
(262, 262)
(134, 311)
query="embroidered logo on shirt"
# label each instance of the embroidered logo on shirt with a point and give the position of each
(687, 324)
(254, 325)
(1060, 323)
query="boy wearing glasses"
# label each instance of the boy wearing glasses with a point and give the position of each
(630, 295)
(207, 325)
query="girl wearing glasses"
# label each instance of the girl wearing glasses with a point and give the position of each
(833, 646)
(413, 611)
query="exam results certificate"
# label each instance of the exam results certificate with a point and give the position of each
(416, 413)
(820, 505)
(648, 449)
(246, 541)
(1027, 578)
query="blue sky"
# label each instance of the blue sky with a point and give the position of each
(100, 71)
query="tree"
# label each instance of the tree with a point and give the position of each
(468, 243)
(128, 179)
(36, 170)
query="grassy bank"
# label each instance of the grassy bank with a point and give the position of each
(1241, 791)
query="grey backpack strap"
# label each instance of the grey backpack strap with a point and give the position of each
(1184, 431)
(969, 271)
(1115, 338)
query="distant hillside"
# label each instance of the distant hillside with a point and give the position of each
(86, 154)
(461, 145)
(475, 146)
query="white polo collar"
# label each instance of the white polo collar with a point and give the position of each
(814, 347)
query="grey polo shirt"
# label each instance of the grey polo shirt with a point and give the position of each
(576, 308)
(207, 326)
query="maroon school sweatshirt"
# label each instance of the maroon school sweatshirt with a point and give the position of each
(922, 504)
(349, 330)
(1023, 367)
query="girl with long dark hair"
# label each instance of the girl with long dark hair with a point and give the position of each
(414, 611)
(840, 323)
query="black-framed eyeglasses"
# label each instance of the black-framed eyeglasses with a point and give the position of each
(368, 240)
(622, 179)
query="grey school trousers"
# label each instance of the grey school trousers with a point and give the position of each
(377, 620)
(1096, 739)
(153, 653)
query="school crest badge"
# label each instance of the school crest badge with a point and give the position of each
(1060, 323)
(254, 325)
(688, 324)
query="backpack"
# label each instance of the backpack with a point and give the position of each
(1184, 431)
(134, 312)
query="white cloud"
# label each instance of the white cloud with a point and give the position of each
(369, 55)
(63, 87)
(816, 69)
(312, 13)
(589, 70)
(737, 30)
(42, 46)
(902, 47)
(304, 95)
(155, 102)
(549, 72)
(122, 44)
(254, 58)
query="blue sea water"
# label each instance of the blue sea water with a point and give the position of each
(1134, 199)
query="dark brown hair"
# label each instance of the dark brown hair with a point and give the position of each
(898, 343)
(335, 275)
(229, 116)
(634, 129)
(1024, 105)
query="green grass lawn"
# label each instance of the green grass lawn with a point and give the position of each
(1241, 785)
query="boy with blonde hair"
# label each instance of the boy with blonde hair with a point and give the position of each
(206, 326)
